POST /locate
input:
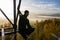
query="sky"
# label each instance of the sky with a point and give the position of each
(35, 7)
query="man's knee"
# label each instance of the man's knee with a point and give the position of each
(29, 31)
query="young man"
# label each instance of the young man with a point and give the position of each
(24, 26)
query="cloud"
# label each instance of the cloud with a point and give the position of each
(54, 15)
(47, 8)
(43, 6)
(34, 6)
(40, 6)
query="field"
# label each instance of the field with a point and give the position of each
(44, 30)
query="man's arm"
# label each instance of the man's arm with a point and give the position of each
(28, 24)
(19, 12)
(19, 5)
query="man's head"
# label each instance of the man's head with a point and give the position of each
(26, 13)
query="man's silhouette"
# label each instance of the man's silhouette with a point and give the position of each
(24, 25)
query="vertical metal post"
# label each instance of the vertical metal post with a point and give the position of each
(14, 2)
(3, 38)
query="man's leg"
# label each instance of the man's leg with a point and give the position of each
(24, 36)
(29, 31)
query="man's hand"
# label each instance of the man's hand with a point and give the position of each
(19, 12)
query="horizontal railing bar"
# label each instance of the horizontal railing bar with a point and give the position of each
(6, 28)
(8, 33)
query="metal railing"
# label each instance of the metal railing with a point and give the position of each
(6, 31)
